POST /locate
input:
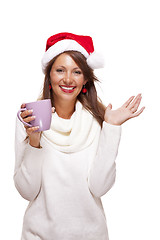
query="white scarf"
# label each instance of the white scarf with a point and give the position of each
(74, 134)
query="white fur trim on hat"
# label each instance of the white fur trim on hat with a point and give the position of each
(60, 47)
(95, 60)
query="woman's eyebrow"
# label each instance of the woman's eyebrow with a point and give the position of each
(76, 68)
(60, 66)
(65, 67)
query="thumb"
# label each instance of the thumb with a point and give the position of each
(109, 107)
(53, 109)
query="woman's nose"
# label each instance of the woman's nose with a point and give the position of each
(68, 78)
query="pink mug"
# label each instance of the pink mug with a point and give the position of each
(42, 110)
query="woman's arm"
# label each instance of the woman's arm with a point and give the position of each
(28, 164)
(103, 169)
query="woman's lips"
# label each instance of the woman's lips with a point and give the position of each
(67, 89)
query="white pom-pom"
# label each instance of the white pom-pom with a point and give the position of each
(95, 60)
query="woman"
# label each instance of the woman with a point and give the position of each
(63, 172)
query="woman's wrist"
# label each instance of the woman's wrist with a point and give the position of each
(34, 143)
(112, 122)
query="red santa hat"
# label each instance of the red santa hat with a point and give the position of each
(65, 41)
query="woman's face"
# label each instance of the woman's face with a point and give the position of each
(66, 78)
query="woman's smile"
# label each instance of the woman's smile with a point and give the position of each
(67, 89)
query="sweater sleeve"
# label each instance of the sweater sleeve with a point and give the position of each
(103, 168)
(28, 164)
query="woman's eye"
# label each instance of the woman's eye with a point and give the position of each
(78, 72)
(59, 70)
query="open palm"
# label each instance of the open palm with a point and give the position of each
(127, 111)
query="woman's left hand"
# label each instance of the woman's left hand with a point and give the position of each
(127, 111)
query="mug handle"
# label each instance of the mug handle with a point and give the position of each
(21, 119)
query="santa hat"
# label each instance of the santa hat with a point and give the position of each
(65, 41)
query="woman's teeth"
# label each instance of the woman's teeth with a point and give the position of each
(67, 88)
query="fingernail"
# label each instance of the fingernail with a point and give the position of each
(53, 109)
(31, 110)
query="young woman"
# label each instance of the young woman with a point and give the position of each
(63, 172)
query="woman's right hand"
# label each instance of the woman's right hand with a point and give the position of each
(34, 137)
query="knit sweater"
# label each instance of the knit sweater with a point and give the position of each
(64, 182)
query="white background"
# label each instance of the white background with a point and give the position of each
(128, 34)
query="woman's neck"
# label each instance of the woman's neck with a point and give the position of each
(64, 109)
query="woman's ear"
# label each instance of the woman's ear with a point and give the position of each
(85, 81)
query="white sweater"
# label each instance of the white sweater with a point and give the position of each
(64, 186)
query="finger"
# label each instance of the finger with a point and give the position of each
(29, 119)
(128, 101)
(109, 107)
(137, 98)
(30, 130)
(26, 113)
(138, 113)
(53, 109)
(23, 105)
(136, 105)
